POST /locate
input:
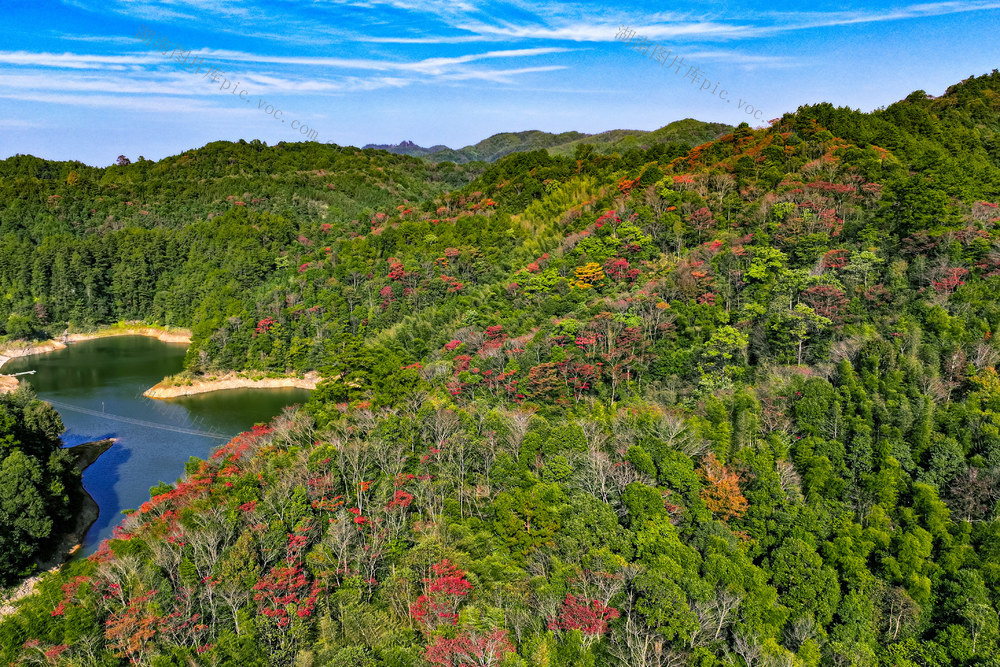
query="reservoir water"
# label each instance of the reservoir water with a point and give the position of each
(97, 388)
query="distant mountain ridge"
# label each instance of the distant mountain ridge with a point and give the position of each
(408, 148)
(497, 146)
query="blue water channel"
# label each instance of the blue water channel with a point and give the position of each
(97, 388)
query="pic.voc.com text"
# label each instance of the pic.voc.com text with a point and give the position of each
(662, 55)
(196, 65)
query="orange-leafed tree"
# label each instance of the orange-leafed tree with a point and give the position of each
(721, 492)
(130, 631)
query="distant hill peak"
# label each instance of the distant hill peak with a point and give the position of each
(404, 147)
(688, 130)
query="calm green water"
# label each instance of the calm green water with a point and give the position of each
(108, 376)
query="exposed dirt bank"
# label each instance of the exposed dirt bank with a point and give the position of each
(159, 333)
(7, 384)
(173, 389)
(23, 349)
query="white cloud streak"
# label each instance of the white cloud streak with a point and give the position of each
(583, 28)
(97, 80)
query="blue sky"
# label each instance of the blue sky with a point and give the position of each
(76, 82)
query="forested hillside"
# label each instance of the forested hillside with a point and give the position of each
(730, 404)
(37, 479)
(191, 240)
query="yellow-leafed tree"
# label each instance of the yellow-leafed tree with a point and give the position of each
(588, 275)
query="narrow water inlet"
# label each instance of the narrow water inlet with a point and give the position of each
(97, 386)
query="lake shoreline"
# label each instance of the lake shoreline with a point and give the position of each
(86, 454)
(71, 541)
(18, 349)
(165, 389)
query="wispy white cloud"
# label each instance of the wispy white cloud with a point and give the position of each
(98, 83)
(97, 39)
(244, 19)
(173, 94)
(747, 60)
(605, 32)
(438, 7)
(19, 123)
(75, 60)
(98, 80)
(806, 20)
(499, 76)
(126, 103)
(471, 21)
(427, 65)
(457, 39)
(147, 73)
(145, 10)
(578, 23)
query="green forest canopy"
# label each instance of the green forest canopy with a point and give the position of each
(726, 404)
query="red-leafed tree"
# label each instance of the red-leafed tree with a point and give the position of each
(543, 380)
(469, 649)
(396, 271)
(618, 269)
(985, 211)
(950, 279)
(443, 594)
(400, 499)
(265, 325)
(827, 301)
(69, 590)
(702, 220)
(495, 333)
(591, 618)
(836, 259)
(282, 587)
